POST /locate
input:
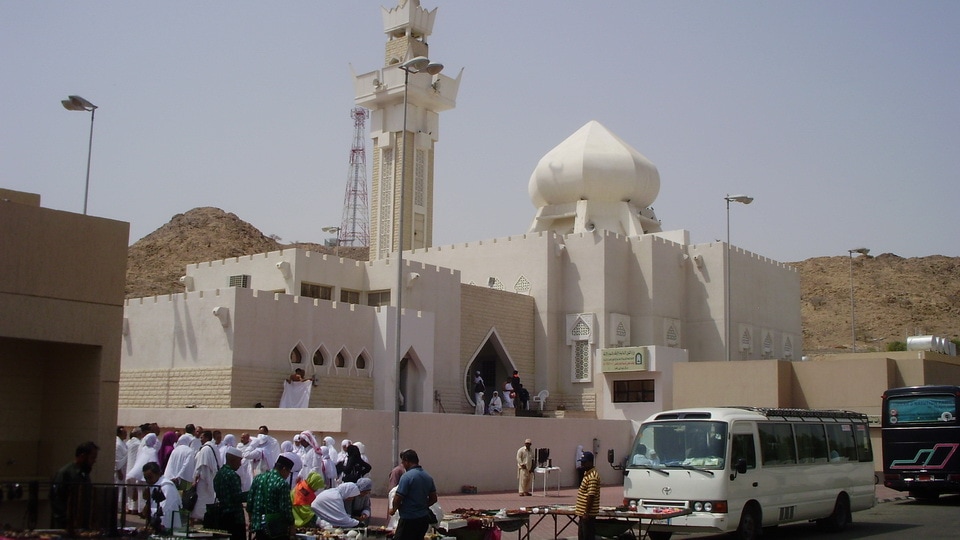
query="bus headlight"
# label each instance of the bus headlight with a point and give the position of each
(718, 507)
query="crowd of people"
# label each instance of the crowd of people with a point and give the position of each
(303, 482)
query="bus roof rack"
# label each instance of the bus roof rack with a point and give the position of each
(813, 414)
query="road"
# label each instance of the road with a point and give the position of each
(888, 521)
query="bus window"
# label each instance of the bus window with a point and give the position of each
(843, 447)
(743, 449)
(921, 409)
(811, 443)
(776, 444)
(864, 450)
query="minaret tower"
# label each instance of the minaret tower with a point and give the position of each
(407, 27)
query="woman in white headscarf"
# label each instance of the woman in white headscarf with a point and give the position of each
(329, 506)
(363, 451)
(329, 468)
(288, 446)
(182, 463)
(496, 405)
(147, 454)
(342, 456)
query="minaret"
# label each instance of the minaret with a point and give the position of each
(407, 27)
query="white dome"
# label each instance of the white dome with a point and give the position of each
(594, 164)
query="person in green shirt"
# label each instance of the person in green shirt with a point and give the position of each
(71, 490)
(226, 484)
(269, 504)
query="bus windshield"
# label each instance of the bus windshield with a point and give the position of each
(921, 409)
(680, 443)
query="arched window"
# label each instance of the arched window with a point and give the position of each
(318, 358)
(361, 362)
(296, 356)
(341, 360)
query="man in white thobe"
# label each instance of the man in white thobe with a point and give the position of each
(208, 463)
(164, 497)
(133, 447)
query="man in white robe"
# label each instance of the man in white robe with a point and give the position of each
(271, 449)
(164, 497)
(133, 446)
(208, 463)
(246, 466)
(120, 458)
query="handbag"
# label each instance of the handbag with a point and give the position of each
(189, 498)
(213, 517)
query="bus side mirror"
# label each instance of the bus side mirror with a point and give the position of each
(611, 458)
(740, 468)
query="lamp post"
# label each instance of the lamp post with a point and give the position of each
(742, 199)
(419, 64)
(853, 315)
(77, 103)
(334, 230)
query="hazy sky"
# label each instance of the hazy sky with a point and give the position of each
(842, 119)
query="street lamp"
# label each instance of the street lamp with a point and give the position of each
(742, 199)
(419, 64)
(853, 316)
(77, 103)
(333, 230)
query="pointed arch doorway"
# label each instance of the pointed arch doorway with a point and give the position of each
(412, 379)
(493, 362)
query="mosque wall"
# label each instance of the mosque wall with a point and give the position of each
(62, 281)
(451, 447)
(704, 311)
(530, 264)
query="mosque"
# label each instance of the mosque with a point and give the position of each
(593, 305)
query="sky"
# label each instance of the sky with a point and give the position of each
(841, 119)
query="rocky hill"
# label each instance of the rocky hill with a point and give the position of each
(895, 297)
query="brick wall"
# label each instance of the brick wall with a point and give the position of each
(513, 317)
(242, 387)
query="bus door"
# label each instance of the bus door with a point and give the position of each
(742, 486)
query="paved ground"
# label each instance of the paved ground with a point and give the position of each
(609, 496)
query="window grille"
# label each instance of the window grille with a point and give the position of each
(522, 286)
(242, 281)
(581, 361)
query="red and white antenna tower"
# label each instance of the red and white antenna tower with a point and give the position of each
(355, 226)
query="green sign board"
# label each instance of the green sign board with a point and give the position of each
(624, 359)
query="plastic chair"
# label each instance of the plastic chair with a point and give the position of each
(541, 398)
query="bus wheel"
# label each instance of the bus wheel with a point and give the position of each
(840, 517)
(751, 527)
(659, 535)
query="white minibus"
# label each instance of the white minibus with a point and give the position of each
(744, 468)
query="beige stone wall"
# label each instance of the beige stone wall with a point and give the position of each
(755, 383)
(212, 388)
(203, 387)
(61, 316)
(483, 309)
